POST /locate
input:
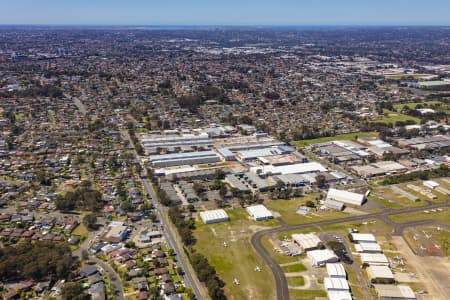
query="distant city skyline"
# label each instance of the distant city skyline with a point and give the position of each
(230, 12)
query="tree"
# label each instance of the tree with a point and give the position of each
(74, 291)
(223, 191)
(90, 221)
(320, 180)
(310, 204)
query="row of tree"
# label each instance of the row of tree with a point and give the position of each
(442, 171)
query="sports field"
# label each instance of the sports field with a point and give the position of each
(347, 136)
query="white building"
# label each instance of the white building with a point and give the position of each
(380, 274)
(339, 295)
(307, 241)
(374, 259)
(302, 168)
(368, 247)
(259, 212)
(336, 271)
(363, 238)
(394, 292)
(214, 216)
(321, 257)
(336, 284)
(431, 184)
(345, 197)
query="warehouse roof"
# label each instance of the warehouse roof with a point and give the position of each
(380, 272)
(363, 237)
(345, 196)
(394, 291)
(292, 169)
(259, 212)
(374, 258)
(336, 270)
(306, 241)
(368, 247)
(182, 155)
(339, 295)
(211, 215)
(335, 284)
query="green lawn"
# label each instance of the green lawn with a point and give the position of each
(390, 199)
(294, 268)
(414, 104)
(306, 294)
(279, 257)
(347, 136)
(296, 281)
(238, 259)
(81, 230)
(442, 216)
(392, 117)
(288, 210)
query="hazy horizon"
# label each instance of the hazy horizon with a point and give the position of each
(229, 13)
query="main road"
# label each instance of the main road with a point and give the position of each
(280, 278)
(190, 279)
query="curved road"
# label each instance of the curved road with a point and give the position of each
(280, 278)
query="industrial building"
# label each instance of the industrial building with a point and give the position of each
(335, 284)
(329, 203)
(188, 158)
(259, 212)
(321, 257)
(281, 160)
(154, 143)
(171, 193)
(116, 232)
(214, 216)
(379, 169)
(253, 154)
(394, 292)
(336, 271)
(307, 242)
(431, 184)
(363, 238)
(311, 167)
(345, 197)
(249, 181)
(380, 274)
(374, 259)
(368, 247)
(226, 154)
(339, 295)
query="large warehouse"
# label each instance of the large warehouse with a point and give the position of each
(394, 292)
(336, 284)
(374, 259)
(321, 257)
(214, 216)
(380, 274)
(345, 197)
(188, 158)
(302, 168)
(336, 271)
(152, 143)
(307, 242)
(259, 212)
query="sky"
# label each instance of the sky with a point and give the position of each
(225, 12)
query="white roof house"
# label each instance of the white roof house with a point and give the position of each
(336, 271)
(259, 212)
(363, 238)
(345, 197)
(339, 295)
(374, 259)
(380, 273)
(335, 284)
(214, 216)
(307, 241)
(321, 257)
